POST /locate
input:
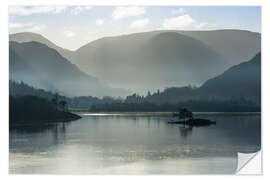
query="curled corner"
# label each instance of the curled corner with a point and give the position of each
(249, 163)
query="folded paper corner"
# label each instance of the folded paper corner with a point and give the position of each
(249, 163)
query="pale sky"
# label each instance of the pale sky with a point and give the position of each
(73, 26)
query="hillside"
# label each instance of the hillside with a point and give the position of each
(235, 45)
(38, 65)
(140, 63)
(30, 36)
(165, 58)
(159, 59)
(243, 80)
(240, 82)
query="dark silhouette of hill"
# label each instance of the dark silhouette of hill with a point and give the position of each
(33, 110)
(243, 80)
(38, 65)
(193, 105)
(168, 100)
(17, 89)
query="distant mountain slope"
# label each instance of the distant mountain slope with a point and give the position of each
(159, 59)
(29, 36)
(165, 58)
(241, 83)
(243, 80)
(235, 45)
(142, 62)
(38, 65)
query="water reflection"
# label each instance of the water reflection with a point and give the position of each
(36, 138)
(105, 144)
(185, 131)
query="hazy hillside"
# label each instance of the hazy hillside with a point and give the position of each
(235, 45)
(159, 59)
(240, 82)
(38, 65)
(29, 36)
(140, 62)
(165, 58)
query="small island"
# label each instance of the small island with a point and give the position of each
(189, 120)
(37, 111)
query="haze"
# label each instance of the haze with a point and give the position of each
(73, 26)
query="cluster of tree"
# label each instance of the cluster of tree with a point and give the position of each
(23, 89)
(240, 105)
(168, 100)
(88, 101)
(33, 110)
(170, 95)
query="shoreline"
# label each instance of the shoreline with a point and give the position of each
(153, 113)
(61, 120)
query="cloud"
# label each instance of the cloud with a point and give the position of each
(139, 23)
(29, 10)
(30, 27)
(179, 11)
(123, 12)
(78, 9)
(99, 22)
(185, 22)
(69, 33)
(15, 25)
(36, 28)
(178, 22)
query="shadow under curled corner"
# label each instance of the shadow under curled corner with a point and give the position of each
(249, 163)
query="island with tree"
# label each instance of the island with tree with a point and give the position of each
(36, 111)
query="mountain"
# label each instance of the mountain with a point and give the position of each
(235, 45)
(243, 80)
(141, 62)
(38, 65)
(241, 83)
(157, 59)
(29, 36)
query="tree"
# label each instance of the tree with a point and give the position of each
(55, 100)
(63, 105)
(185, 113)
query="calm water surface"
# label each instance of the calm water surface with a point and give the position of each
(134, 144)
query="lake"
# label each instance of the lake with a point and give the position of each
(136, 143)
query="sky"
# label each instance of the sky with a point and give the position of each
(74, 26)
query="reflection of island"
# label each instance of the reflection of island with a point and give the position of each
(43, 137)
(185, 131)
(54, 128)
(59, 131)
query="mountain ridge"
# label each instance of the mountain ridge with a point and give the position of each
(118, 59)
(30, 36)
(47, 69)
